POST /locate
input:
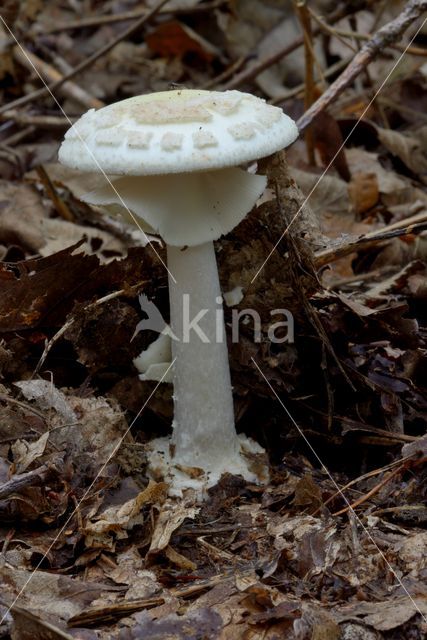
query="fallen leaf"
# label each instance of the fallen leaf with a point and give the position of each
(24, 453)
(172, 515)
(409, 147)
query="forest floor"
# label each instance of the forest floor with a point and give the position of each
(335, 544)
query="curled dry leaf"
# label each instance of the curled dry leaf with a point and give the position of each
(170, 518)
(114, 522)
(24, 453)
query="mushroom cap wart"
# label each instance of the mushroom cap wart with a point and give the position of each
(175, 132)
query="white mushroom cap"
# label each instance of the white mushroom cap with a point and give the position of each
(175, 132)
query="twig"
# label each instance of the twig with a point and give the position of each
(413, 225)
(110, 612)
(366, 476)
(59, 204)
(96, 21)
(342, 35)
(233, 68)
(23, 480)
(18, 136)
(397, 106)
(332, 31)
(40, 121)
(372, 492)
(260, 66)
(386, 35)
(361, 277)
(330, 71)
(35, 95)
(309, 97)
(22, 405)
(29, 60)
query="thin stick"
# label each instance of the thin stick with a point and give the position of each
(18, 136)
(342, 35)
(232, 69)
(366, 476)
(35, 95)
(309, 97)
(59, 204)
(412, 225)
(257, 68)
(330, 71)
(28, 59)
(43, 122)
(24, 480)
(386, 35)
(95, 21)
(372, 492)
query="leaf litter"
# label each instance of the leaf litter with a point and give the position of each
(91, 548)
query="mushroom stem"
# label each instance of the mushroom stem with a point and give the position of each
(203, 431)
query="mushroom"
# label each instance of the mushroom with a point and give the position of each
(177, 153)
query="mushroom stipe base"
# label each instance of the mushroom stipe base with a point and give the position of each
(250, 462)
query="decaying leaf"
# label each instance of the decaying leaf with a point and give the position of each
(171, 516)
(385, 616)
(114, 522)
(24, 453)
(91, 548)
(410, 148)
(201, 623)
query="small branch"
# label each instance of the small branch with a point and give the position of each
(96, 21)
(342, 36)
(366, 476)
(43, 122)
(413, 225)
(372, 492)
(383, 38)
(309, 96)
(330, 71)
(59, 204)
(222, 77)
(35, 95)
(258, 67)
(29, 60)
(17, 137)
(24, 480)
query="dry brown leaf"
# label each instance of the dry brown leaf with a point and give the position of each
(364, 192)
(177, 558)
(193, 625)
(385, 616)
(409, 147)
(28, 626)
(394, 188)
(41, 285)
(172, 515)
(24, 453)
(21, 215)
(51, 595)
(174, 38)
(119, 519)
(307, 494)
